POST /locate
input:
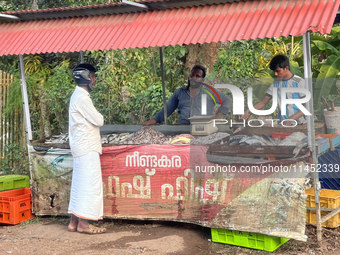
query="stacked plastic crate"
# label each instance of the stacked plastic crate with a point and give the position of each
(329, 201)
(329, 174)
(15, 199)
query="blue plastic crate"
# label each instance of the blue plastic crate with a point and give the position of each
(330, 179)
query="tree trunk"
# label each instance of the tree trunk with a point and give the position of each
(45, 117)
(62, 122)
(201, 54)
(34, 5)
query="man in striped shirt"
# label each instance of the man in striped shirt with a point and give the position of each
(285, 79)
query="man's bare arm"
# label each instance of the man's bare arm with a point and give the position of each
(258, 106)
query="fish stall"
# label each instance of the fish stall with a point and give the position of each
(221, 180)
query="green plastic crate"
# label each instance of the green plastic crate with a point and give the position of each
(247, 239)
(9, 182)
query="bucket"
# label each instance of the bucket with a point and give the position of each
(333, 120)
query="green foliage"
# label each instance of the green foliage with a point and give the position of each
(321, 46)
(60, 86)
(9, 64)
(325, 62)
(240, 60)
(326, 78)
(174, 60)
(14, 102)
(15, 99)
(238, 64)
(14, 152)
(326, 65)
(36, 65)
(129, 89)
(13, 5)
(289, 46)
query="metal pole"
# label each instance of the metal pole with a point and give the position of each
(307, 59)
(25, 98)
(81, 56)
(163, 87)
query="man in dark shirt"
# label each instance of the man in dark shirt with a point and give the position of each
(188, 100)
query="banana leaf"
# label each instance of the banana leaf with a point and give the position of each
(263, 79)
(295, 69)
(321, 46)
(336, 31)
(326, 79)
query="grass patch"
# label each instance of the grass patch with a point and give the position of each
(34, 220)
(63, 220)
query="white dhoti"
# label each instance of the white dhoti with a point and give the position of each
(86, 199)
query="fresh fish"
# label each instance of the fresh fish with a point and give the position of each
(234, 143)
(267, 140)
(244, 139)
(111, 138)
(62, 138)
(125, 136)
(304, 143)
(300, 144)
(146, 135)
(104, 139)
(293, 139)
(320, 140)
(209, 139)
(277, 140)
(235, 139)
(254, 141)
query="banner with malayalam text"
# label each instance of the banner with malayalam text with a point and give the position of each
(159, 182)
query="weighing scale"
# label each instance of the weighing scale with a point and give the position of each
(203, 125)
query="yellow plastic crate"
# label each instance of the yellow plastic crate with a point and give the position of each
(328, 199)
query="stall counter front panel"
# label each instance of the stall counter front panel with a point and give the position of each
(161, 182)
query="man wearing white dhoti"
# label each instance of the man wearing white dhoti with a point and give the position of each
(86, 201)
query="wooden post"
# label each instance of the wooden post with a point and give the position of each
(4, 118)
(163, 86)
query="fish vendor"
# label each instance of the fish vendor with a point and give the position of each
(285, 79)
(188, 100)
(86, 200)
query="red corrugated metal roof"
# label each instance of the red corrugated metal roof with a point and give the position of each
(201, 24)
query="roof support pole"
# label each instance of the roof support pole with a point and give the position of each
(307, 59)
(25, 98)
(163, 86)
(81, 56)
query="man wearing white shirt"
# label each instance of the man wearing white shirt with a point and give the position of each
(285, 79)
(86, 200)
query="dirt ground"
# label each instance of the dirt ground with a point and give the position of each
(49, 235)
